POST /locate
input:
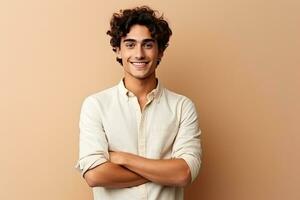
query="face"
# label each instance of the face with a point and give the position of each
(139, 53)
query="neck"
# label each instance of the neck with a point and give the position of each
(140, 87)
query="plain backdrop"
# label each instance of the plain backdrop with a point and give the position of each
(237, 60)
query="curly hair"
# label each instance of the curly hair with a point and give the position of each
(121, 23)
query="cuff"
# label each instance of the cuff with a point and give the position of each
(193, 163)
(89, 162)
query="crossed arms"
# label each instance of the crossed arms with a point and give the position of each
(120, 169)
(127, 170)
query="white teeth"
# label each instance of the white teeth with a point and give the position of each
(139, 63)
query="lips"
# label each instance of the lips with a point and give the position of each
(140, 63)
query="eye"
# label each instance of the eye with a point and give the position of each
(148, 45)
(129, 45)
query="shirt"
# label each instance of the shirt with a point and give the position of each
(167, 127)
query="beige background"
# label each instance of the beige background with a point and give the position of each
(238, 61)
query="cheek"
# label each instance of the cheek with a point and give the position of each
(125, 55)
(152, 54)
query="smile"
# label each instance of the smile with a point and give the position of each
(139, 64)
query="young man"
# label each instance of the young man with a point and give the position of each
(139, 140)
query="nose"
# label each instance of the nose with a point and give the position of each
(139, 54)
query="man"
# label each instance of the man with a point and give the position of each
(139, 140)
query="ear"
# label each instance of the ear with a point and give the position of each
(118, 53)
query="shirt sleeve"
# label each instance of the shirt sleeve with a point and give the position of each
(187, 143)
(93, 145)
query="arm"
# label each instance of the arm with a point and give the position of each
(110, 175)
(171, 172)
(187, 144)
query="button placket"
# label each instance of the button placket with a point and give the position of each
(142, 136)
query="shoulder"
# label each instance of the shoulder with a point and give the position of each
(101, 97)
(183, 105)
(177, 98)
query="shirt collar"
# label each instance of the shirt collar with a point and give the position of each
(154, 94)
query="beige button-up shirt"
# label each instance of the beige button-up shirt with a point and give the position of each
(166, 128)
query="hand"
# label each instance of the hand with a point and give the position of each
(117, 157)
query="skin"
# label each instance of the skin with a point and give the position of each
(139, 53)
(155, 170)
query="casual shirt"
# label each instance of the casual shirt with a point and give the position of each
(167, 127)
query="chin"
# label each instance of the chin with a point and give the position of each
(141, 76)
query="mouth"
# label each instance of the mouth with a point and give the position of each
(140, 63)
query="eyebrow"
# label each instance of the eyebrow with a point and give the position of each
(145, 40)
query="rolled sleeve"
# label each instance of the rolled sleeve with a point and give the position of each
(93, 145)
(187, 143)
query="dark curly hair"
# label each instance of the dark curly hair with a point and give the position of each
(121, 23)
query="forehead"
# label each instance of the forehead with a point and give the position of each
(138, 32)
